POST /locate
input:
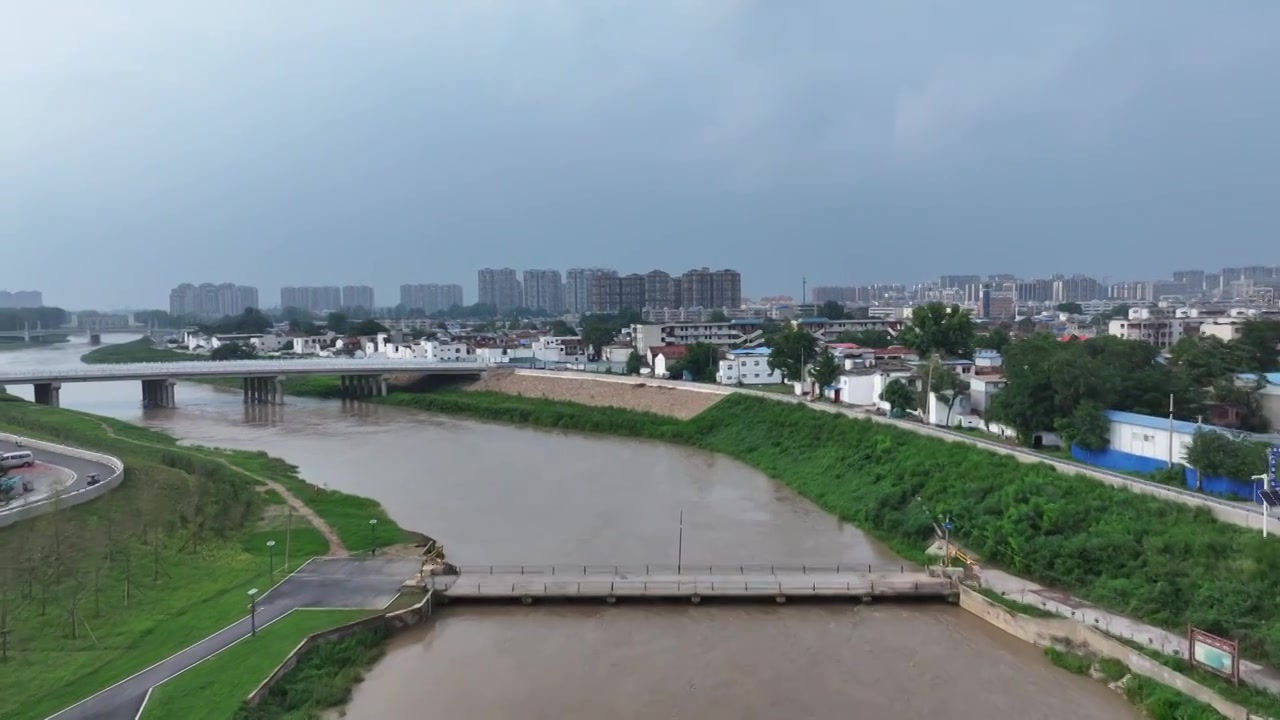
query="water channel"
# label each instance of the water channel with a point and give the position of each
(503, 495)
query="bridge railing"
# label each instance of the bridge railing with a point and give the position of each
(683, 569)
(192, 368)
(726, 586)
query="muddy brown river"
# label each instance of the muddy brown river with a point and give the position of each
(504, 495)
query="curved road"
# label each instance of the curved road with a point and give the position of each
(41, 475)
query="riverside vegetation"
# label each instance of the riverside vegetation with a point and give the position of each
(1169, 564)
(92, 593)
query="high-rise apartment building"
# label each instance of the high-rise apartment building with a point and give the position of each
(499, 287)
(1077, 288)
(208, 300)
(357, 296)
(578, 287)
(21, 299)
(612, 294)
(958, 281)
(707, 288)
(431, 297)
(321, 299)
(661, 291)
(1033, 291)
(543, 290)
(1193, 279)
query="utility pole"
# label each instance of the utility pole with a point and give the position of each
(804, 290)
(1170, 429)
(680, 546)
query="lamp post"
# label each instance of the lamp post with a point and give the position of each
(373, 539)
(1266, 510)
(253, 611)
(271, 558)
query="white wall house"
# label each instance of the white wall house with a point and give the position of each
(1150, 325)
(497, 355)
(662, 357)
(560, 349)
(311, 344)
(747, 367)
(271, 343)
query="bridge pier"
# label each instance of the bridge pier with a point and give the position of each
(49, 394)
(95, 339)
(159, 393)
(264, 390)
(357, 386)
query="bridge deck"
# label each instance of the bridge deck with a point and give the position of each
(481, 586)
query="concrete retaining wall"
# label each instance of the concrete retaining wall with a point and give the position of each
(1059, 632)
(75, 497)
(394, 622)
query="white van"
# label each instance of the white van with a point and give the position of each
(22, 458)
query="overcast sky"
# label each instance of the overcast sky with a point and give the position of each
(143, 144)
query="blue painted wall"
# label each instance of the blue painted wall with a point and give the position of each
(1128, 462)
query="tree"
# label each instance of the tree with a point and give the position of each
(701, 360)
(866, 338)
(789, 350)
(899, 395)
(944, 382)
(717, 316)
(1214, 453)
(560, 328)
(1087, 427)
(832, 310)
(1259, 345)
(997, 338)
(232, 351)
(597, 336)
(634, 363)
(367, 327)
(338, 322)
(1025, 326)
(1203, 359)
(825, 370)
(859, 312)
(1071, 308)
(938, 329)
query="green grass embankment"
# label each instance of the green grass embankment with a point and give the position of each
(1165, 563)
(322, 679)
(93, 593)
(216, 688)
(140, 350)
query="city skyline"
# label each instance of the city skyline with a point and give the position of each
(1016, 139)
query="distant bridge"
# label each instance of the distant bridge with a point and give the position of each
(263, 379)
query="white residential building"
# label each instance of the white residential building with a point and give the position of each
(1150, 326)
(560, 349)
(731, 332)
(747, 367)
(499, 355)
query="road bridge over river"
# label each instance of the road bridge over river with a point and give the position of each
(263, 379)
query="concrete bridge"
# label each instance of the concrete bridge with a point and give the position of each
(863, 583)
(263, 380)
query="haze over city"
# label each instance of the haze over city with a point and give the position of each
(149, 144)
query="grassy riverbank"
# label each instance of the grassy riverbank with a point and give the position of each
(1166, 563)
(95, 592)
(140, 350)
(1157, 701)
(216, 688)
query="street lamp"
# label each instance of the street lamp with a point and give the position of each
(253, 611)
(373, 541)
(271, 558)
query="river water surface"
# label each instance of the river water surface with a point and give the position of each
(503, 495)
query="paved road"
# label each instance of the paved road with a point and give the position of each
(357, 583)
(80, 467)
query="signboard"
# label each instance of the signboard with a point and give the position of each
(1273, 459)
(1215, 654)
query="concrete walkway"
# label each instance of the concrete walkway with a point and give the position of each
(1069, 606)
(331, 583)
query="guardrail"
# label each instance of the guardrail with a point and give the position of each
(681, 569)
(199, 368)
(9, 516)
(735, 588)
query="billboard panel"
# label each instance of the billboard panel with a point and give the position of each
(1214, 654)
